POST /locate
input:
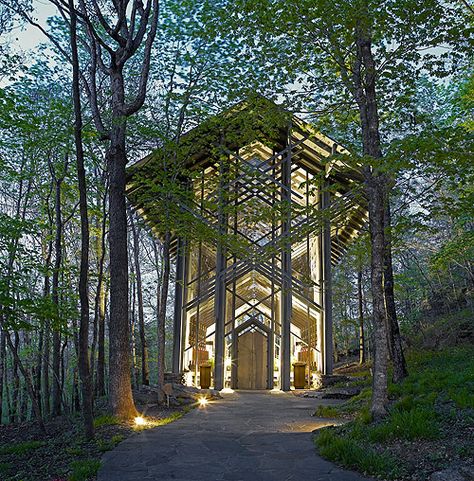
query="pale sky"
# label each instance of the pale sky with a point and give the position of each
(28, 37)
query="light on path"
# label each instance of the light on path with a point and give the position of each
(203, 402)
(140, 421)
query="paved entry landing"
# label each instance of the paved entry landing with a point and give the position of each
(247, 436)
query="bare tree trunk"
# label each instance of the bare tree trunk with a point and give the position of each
(46, 358)
(29, 383)
(16, 383)
(100, 255)
(100, 303)
(133, 343)
(162, 313)
(365, 94)
(100, 379)
(393, 331)
(145, 374)
(120, 389)
(56, 407)
(84, 368)
(3, 353)
(361, 317)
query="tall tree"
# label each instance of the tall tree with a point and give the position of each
(356, 63)
(84, 368)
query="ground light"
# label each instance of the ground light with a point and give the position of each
(140, 421)
(202, 402)
(227, 390)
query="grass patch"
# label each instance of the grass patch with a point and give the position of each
(84, 470)
(75, 451)
(105, 420)
(21, 448)
(350, 454)
(5, 468)
(153, 423)
(108, 444)
(438, 393)
(327, 412)
(417, 423)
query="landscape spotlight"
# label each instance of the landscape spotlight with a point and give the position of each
(202, 401)
(140, 421)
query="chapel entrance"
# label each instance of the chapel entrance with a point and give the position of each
(252, 360)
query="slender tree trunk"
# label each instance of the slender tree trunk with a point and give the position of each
(3, 353)
(38, 367)
(162, 312)
(145, 375)
(56, 392)
(361, 317)
(100, 303)
(375, 182)
(120, 389)
(133, 343)
(29, 383)
(100, 379)
(84, 368)
(43, 348)
(46, 358)
(16, 384)
(393, 331)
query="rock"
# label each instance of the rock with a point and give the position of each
(340, 393)
(447, 475)
(313, 394)
(468, 472)
(146, 395)
(178, 394)
(323, 381)
(174, 377)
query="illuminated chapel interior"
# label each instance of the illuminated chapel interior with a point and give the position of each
(253, 299)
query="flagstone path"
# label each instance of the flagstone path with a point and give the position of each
(246, 436)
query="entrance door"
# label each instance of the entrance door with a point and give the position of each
(252, 360)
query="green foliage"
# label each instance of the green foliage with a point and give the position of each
(437, 391)
(75, 451)
(350, 454)
(410, 424)
(109, 444)
(84, 470)
(326, 412)
(21, 448)
(105, 420)
(5, 468)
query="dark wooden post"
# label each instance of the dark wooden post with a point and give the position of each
(178, 304)
(220, 296)
(327, 284)
(184, 302)
(286, 293)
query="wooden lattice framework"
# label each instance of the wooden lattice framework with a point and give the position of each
(278, 281)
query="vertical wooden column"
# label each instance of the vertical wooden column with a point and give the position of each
(178, 304)
(286, 293)
(184, 311)
(327, 285)
(220, 295)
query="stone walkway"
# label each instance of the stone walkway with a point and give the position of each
(247, 436)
